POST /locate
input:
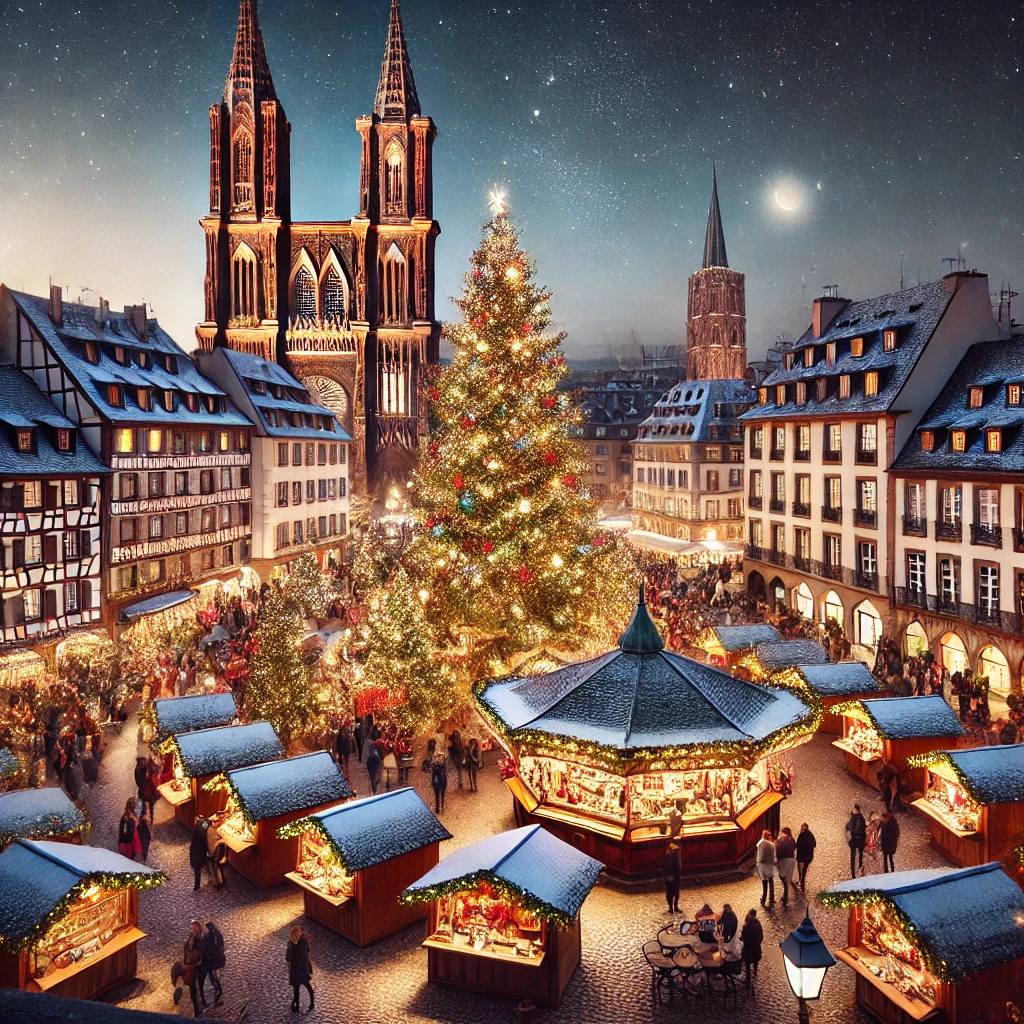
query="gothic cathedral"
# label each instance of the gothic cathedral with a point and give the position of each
(346, 306)
(716, 321)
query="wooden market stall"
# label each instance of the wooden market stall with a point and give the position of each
(69, 918)
(725, 644)
(200, 755)
(504, 915)
(609, 753)
(173, 715)
(263, 798)
(46, 813)
(893, 729)
(974, 801)
(942, 945)
(773, 656)
(355, 859)
(835, 684)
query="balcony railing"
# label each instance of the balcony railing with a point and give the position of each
(949, 529)
(754, 501)
(777, 455)
(990, 536)
(812, 567)
(828, 455)
(1009, 623)
(777, 505)
(915, 527)
(865, 517)
(830, 514)
(867, 458)
(867, 580)
(802, 455)
(802, 508)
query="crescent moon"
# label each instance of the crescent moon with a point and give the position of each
(786, 200)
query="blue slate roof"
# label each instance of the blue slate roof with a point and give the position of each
(739, 638)
(912, 718)
(38, 813)
(257, 374)
(914, 313)
(968, 919)
(41, 1008)
(294, 784)
(200, 711)
(989, 365)
(210, 751)
(158, 603)
(778, 654)
(36, 876)
(995, 775)
(843, 679)
(380, 828)
(80, 327)
(699, 410)
(24, 405)
(528, 859)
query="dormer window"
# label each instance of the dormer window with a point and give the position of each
(871, 383)
(976, 398)
(958, 440)
(63, 440)
(889, 339)
(830, 353)
(145, 399)
(92, 352)
(121, 355)
(762, 396)
(169, 401)
(994, 440)
(801, 393)
(927, 440)
(1013, 394)
(114, 395)
(821, 389)
(780, 394)
(192, 401)
(258, 387)
(809, 356)
(844, 386)
(25, 441)
(170, 364)
(787, 360)
(857, 347)
(142, 358)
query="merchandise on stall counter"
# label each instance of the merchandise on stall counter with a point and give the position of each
(861, 740)
(320, 867)
(892, 957)
(93, 920)
(946, 796)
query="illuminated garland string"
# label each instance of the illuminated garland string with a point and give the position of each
(937, 757)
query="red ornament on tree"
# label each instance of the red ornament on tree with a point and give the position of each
(527, 328)
(569, 481)
(435, 450)
(550, 458)
(488, 547)
(467, 422)
(435, 395)
(477, 274)
(547, 402)
(525, 574)
(458, 481)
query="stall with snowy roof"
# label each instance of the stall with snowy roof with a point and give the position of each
(603, 751)
(199, 756)
(505, 914)
(893, 729)
(46, 813)
(69, 918)
(261, 799)
(942, 944)
(834, 684)
(173, 715)
(354, 861)
(771, 656)
(724, 645)
(974, 801)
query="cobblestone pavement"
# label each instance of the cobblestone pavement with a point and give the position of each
(386, 983)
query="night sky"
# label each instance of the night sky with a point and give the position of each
(893, 129)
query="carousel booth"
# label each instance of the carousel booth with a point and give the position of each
(504, 915)
(602, 751)
(894, 729)
(263, 798)
(189, 714)
(39, 814)
(69, 918)
(942, 945)
(834, 684)
(726, 644)
(199, 756)
(355, 860)
(974, 800)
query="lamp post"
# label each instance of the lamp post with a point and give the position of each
(807, 959)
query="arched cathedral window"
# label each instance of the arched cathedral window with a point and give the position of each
(242, 171)
(304, 294)
(394, 286)
(333, 296)
(394, 175)
(243, 283)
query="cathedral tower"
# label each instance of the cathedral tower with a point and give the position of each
(716, 322)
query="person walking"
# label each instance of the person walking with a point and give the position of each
(390, 766)
(212, 948)
(886, 779)
(456, 753)
(670, 871)
(344, 745)
(765, 860)
(197, 850)
(438, 783)
(300, 966)
(805, 844)
(190, 964)
(474, 761)
(785, 858)
(889, 837)
(150, 793)
(128, 844)
(729, 923)
(141, 774)
(373, 765)
(358, 735)
(856, 836)
(752, 935)
(145, 836)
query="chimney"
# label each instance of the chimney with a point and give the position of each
(137, 315)
(826, 308)
(57, 304)
(102, 313)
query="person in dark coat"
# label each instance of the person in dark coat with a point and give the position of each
(805, 844)
(728, 922)
(197, 850)
(438, 783)
(212, 947)
(142, 830)
(127, 831)
(456, 753)
(190, 964)
(752, 935)
(141, 774)
(856, 837)
(888, 838)
(300, 966)
(358, 735)
(373, 764)
(474, 761)
(670, 871)
(886, 779)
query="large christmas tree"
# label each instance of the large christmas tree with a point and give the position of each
(506, 544)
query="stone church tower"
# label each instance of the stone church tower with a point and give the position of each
(716, 322)
(346, 306)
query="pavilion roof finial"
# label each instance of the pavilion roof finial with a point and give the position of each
(641, 635)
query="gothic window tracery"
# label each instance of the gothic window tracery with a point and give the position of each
(244, 302)
(394, 178)
(242, 170)
(304, 294)
(394, 286)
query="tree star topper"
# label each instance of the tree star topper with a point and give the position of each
(498, 201)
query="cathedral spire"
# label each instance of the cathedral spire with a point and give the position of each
(714, 239)
(396, 91)
(249, 74)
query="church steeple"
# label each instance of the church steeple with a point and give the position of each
(249, 75)
(396, 91)
(714, 239)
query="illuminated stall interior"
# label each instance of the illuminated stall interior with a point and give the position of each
(603, 751)
(724, 644)
(942, 944)
(69, 918)
(45, 813)
(513, 898)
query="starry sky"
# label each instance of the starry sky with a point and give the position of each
(846, 135)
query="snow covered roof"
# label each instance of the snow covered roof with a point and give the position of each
(912, 718)
(789, 653)
(529, 860)
(293, 784)
(699, 410)
(379, 828)
(739, 638)
(159, 603)
(42, 1008)
(843, 679)
(966, 919)
(211, 751)
(35, 877)
(199, 711)
(37, 813)
(994, 775)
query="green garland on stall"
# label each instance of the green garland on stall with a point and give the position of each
(508, 891)
(223, 782)
(942, 757)
(106, 880)
(294, 829)
(55, 831)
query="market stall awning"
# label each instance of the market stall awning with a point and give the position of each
(527, 861)
(842, 679)
(283, 787)
(37, 814)
(199, 711)
(779, 654)
(991, 775)
(210, 751)
(377, 829)
(159, 603)
(615, 523)
(737, 638)
(655, 541)
(966, 920)
(911, 718)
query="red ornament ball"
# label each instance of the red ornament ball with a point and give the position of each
(550, 458)
(527, 329)
(458, 481)
(467, 422)
(488, 547)
(548, 402)
(569, 481)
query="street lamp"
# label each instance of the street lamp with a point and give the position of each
(807, 959)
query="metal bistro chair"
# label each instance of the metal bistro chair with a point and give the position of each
(691, 971)
(724, 978)
(663, 970)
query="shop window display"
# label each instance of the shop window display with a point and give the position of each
(892, 958)
(946, 796)
(94, 919)
(320, 868)
(861, 740)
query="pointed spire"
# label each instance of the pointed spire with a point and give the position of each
(714, 239)
(641, 636)
(249, 74)
(396, 91)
